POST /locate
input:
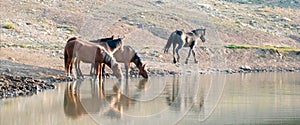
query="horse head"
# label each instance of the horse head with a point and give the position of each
(200, 33)
(117, 71)
(142, 71)
(137, 61)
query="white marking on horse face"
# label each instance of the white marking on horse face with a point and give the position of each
(112, 60)
(103, 54)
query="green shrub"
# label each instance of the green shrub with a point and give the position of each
(9, 25)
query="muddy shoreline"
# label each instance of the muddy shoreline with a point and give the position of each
(25, 80)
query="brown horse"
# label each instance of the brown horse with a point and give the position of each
(79, 50)
(128, 55)
(183, 39)
(110, 44)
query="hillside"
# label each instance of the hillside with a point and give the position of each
(262, 35)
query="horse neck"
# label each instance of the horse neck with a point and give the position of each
(102, 40)
(197, 33)
(136, 60)
(108, 60)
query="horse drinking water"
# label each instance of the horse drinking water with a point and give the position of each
(110, 44)
(123, 54)
(182, 39)
(79, 50)
(128, 55)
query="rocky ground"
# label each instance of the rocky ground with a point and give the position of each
(33, 34)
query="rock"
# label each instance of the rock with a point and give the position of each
(8, 70)
(13, 86)
(160, 1)
(245, 67)
(285, 19)
(11, 58)
(205, 6)
(252, 22)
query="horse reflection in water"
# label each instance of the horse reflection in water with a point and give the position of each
(180, 95)
(114, 100)
(109, 103)
(75, 106)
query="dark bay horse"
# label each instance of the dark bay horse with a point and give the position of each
(77, 50)
(183, 39)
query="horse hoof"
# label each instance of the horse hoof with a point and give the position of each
(196, 62)
(186, 62)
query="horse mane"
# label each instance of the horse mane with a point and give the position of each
(195, 31)
(103, 39)
(179, 32)
(108, 57)
(136, 57)
(73, 38)
(114, 43)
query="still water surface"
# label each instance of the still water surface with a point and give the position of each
(253, 98)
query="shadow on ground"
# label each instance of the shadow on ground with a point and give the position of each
(19, 69)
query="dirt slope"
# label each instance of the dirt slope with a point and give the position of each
(41, 28)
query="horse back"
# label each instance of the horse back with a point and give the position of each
(179, 32)
(125, 54)
(71, 39)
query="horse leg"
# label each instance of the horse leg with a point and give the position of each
(76, 67)
(126, 70)
(177, 51)
(193, 51)
(174, 59)
(92, 70)
(97, 68)
(187, 58)
(69, 68)
(78, 71)
(99, 72)
(103, 71)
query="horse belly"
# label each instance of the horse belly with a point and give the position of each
(86, 55)
(186, 44)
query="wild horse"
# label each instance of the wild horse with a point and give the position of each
(77, 50)
(183, 39)
(128, 55)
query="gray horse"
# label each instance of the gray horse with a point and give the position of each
(183, 39)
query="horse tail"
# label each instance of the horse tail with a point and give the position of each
(66, 53)
(168, 45)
